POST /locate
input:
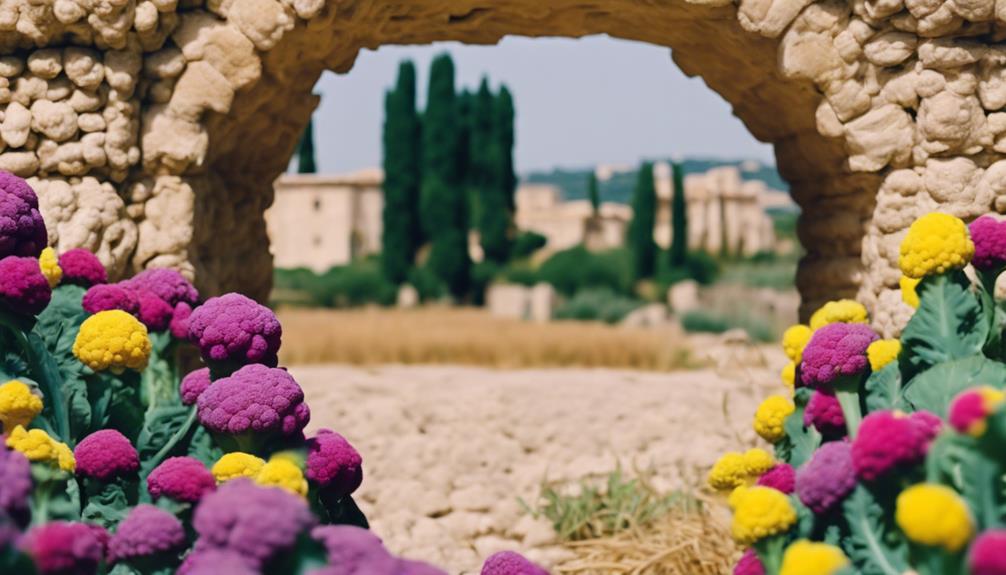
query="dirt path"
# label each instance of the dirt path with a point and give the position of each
(448, 450)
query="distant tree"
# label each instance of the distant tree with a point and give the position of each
(506, 135)
(443, 200)
(679, 218)
(402, 233)
(306, 163)
(487, 161)
(640, 236)
(594, 193)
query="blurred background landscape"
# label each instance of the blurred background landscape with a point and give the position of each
(516, 277)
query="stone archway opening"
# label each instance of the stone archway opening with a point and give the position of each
(154, 128)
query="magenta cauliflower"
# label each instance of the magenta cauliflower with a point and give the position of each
(236, 515)
(233, 330)
(22, 231)
(510, 563)
(167, 284)
(194, 384)
(333, 463)
(255, 399)
(834, 351)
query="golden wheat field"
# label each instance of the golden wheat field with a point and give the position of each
(439, 335)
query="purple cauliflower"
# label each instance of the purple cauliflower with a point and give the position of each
(782, 477)
(105, 455)
(81, 267)
(255, 399)
(332, 462)
(352, 550)
(64, 548)
(890, 439)
(180, 321)
(749, 564)
(105, 297)
(824, 413)
(183, 479)
(194, 384)
(154, 312)
(23, 288)
(234, 515)
(216, 562)
(510, 563)
(147, 530)
(989, 236)
(827, 478)
(15, 481)
(167, 284)
(835, 350)
(234, 330)
(22, 230)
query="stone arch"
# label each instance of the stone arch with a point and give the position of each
(153, 129)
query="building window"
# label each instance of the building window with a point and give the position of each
(317, 204)
(317, 241)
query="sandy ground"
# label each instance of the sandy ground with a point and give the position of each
(449, 450)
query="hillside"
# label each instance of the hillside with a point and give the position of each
(619, 188)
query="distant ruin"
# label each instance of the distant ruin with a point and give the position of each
(150, 125)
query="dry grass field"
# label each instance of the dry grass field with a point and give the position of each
(444, 335)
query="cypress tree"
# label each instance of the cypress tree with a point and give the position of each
(487, 164)
(640, 236)
(443, 201)
(593, 193)
(402, 234)
(306, 163)
(506, 136)
(679, 218)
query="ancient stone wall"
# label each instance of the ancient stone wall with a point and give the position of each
(154, 128)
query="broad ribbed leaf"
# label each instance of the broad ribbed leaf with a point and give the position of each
(800, 441)
(883, 388)
(948, 325)
(935, 388)
(873, 545)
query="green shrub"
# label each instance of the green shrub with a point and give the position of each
(427, 284)
(526, 243)
(597, 304)
(702, 321)
(520, 272)
(572, 270)
(483, 274)
(359, 283)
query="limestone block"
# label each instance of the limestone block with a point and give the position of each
(950, 123)
(145, 17)
(171, 142)
(57, 120)
(993, 185)
(880, 9)
(265, 21)
(769, 17)
(955, 184)
(67, 159)
(87, 101)
(68, 11)
(166, 227)
(827, 121)
(200, 88)
(880, 137)
(46, 63)
(91, 122)
(992, 82)
(900, 87)
(121, 70)
(90, 215)
(944, 53)
(112, 20)
(16, 125)
(973, 10)
(167, 63)
(849, 99)
(306, 9)
(810, 55)
(84, 67)
(11, 66)
(202, 37)
(930, 83)
(59, 89)
(942, 22)
(29, 88)
(23, 164)
(890, 48)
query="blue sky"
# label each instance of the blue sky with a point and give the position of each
(579, 103)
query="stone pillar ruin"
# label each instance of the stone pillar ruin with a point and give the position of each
(153, 129)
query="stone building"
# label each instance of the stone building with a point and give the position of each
(726, 215)
(318, 221)
(542, 209)
(147, 126)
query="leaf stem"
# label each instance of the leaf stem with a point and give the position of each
(173, 442)
(847, 392)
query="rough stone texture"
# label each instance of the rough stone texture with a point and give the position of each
(171, 119)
